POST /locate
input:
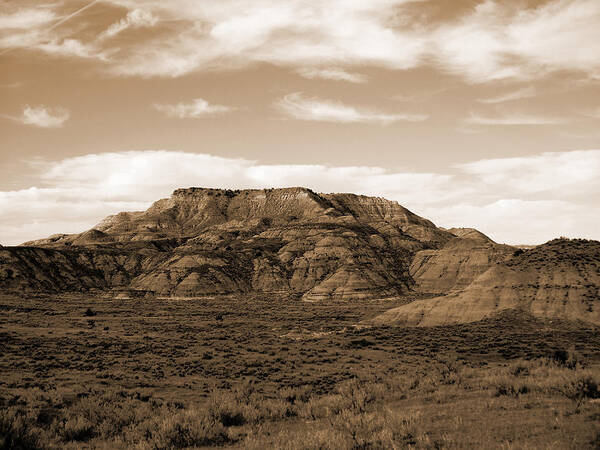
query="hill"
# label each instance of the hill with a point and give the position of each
(217, 242)
(559, 279)
(457, 263)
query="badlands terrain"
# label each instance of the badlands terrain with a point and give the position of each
(283, 318)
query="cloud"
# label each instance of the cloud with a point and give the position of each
(499, 40)
(26, 18)
(566, 174)
(134, 19)
(519, 94)
(515, 200)
(495, 40)
(43, 116)
(520, 221)
(418, 97)
(13, 85)
(334, 74)
(198, 108)
(71, 48)
(594, 113)
(311, 108)
(492, 41)
(73, 14)
(41, 30)
(296, 34)
(513, 119)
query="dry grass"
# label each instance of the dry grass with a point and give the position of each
(159, 375)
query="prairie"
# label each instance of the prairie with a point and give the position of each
(78, 371)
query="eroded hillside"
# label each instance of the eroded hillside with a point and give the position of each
(208, 241)
(559, 279)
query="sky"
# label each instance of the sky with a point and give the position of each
(471, 113)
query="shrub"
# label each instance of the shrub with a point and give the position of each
(582, 387)
(16, 433)
(323, 406)
(78, 429)
(189, 428)
(232, 408)
(380, 429)
(568, 358)
(511, 389)
(294, 395)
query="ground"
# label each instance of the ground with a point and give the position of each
(76, 371)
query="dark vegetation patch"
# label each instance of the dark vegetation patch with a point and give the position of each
(267, 374)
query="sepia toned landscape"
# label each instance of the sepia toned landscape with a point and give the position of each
(283, 318)
(300, 224)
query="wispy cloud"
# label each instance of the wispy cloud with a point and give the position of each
(565, 174)
(14, 85)
(196, 109)
(528, 199)
(593, 112)
(519, 94)
(43, 116)
(73, 14)
(40, 30)
(134, 19)
(300, 107)
(26, 18)
(418, 97)
(495, 40)
(513, 119)
(498, 40)
(335, 74)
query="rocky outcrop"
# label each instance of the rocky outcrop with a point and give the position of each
(469, 233)
(214, 242)
(457, 264)
(559, 279)
(26, 269)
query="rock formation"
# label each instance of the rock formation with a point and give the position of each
(296, 243)
(559, 279)
(457, 263)
(214, 242)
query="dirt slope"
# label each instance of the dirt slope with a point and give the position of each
(559, 279)
(455, 265)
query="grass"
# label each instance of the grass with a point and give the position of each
(285, 374)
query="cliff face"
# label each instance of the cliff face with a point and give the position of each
(208, 242)
(457, 263)
(558, 279)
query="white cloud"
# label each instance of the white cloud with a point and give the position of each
(519, 94)
(26, 18)
(196, 109)
(518, 221)
(335, 74)
(513, 119)
(310, 108)
(134, 19)
(594, 113)
(514, 200)
(498, 40)
(564, 174)
(42, 30)
(296, 34)
(495, 40)
(44, 117)
(71, 48)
